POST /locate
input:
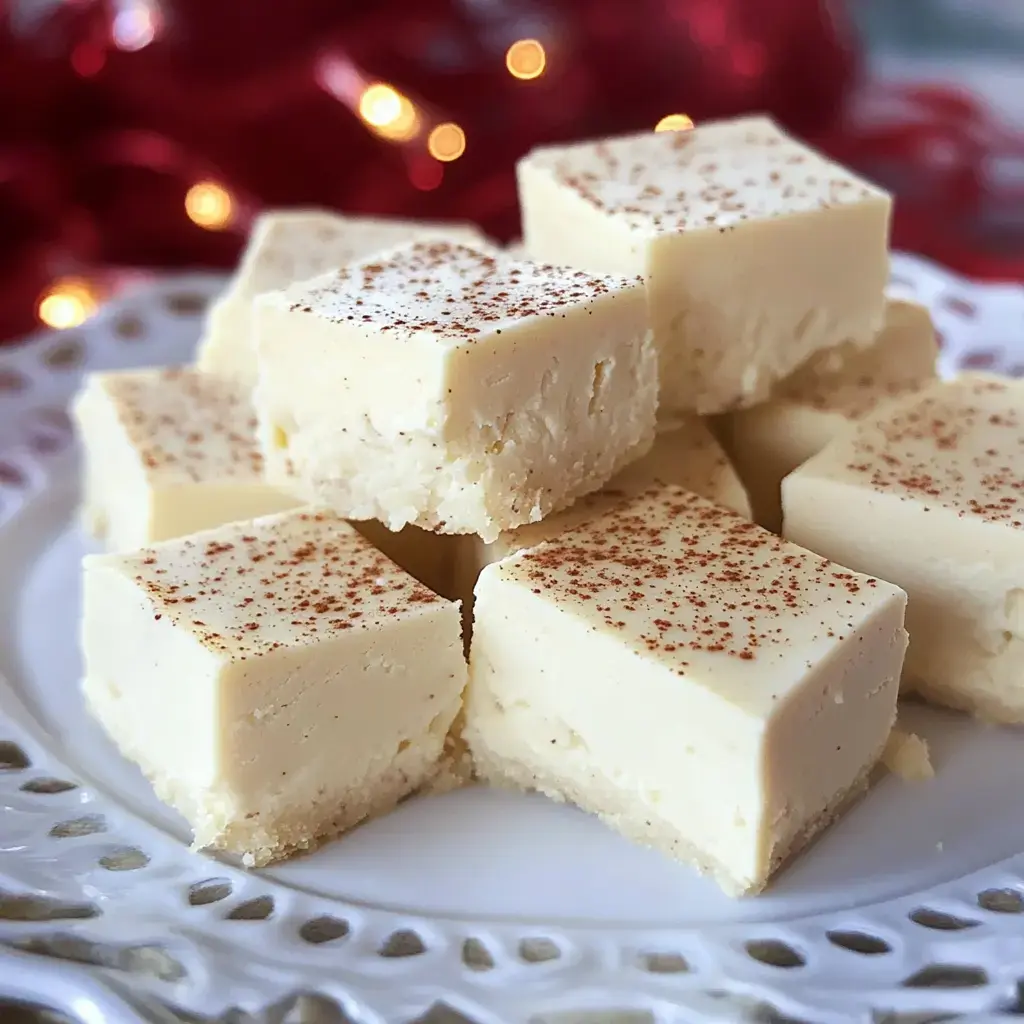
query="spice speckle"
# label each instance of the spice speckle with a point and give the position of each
(186, 427)
(957, 445)
(446, 291)
(715, 176)
(291, 579)
(692, 584)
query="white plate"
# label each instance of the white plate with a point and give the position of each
(505, 907)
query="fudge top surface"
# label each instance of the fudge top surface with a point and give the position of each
(714, 176)
(286, 246)
(450, 292)
(183, 424)
(957, 445)
(685, 453)
(293, 579)
(901, 361)
(702, 591)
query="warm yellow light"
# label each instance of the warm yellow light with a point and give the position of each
(405, 126)
(209, 205)
(447, 142)
(388, 113)
(674, 123)
(379, 105)
(526, 59)
(67, 303)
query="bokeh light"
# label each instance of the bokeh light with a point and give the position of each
(379, 105)
(446, 142)
(209, 205)
(135, 25)
(388, 113)
(674, 123)
(67, 302)
(526, 59)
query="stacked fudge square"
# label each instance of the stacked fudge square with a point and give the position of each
(409, 418)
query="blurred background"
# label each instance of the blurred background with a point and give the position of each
(142, 135)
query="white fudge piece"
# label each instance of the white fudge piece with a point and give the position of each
(687, 454)
(929, 493)
(461, 391)
(286, 246)
(757, 251)
(168, 452)
(278, 681)
(699, 683)
(823, 398)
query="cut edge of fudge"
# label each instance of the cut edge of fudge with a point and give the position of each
(274, 699)
(451, 455)
(167, 451)
(835, 389)
(541, 737)
(939, 470)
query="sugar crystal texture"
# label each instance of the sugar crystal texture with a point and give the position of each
(456, 389)
(757, 252)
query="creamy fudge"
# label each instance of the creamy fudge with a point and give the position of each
(699, 683)
(686, 454)
(291, 245)
(929, 493)
(459, 390)
(278, 680)
(168, 452)
(823, 398)
(757, 251)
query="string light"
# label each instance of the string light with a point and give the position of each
(674, 123)
(446, 142)
(388, 113)
(209, 205)
(379, 105)
(526, 59)
(66, 303)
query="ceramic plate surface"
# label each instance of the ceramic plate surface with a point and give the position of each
(478, 905)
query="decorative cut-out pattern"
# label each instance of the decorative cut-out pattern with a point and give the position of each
(124, 858)
(87, 825)
(859, 942)
(213, 890)
(258, 909)
(323, 929)
(401, 944)
(940, 921)
(208, 938)
(775, 953)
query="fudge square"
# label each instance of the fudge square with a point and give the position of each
(462, 391)
(278, 681)
(757, 251)
(168, 452)
(685, 454)
(696, 681)
(824, 397)
(930, 495)
(291, 245)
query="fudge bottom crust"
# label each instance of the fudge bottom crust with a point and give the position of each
(287, 827)
(642, 825)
